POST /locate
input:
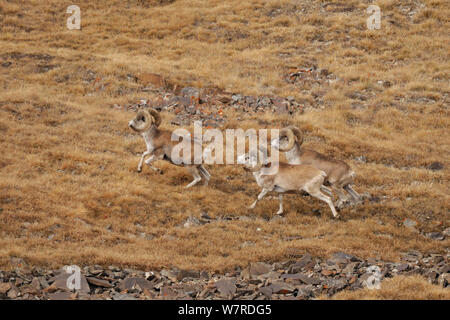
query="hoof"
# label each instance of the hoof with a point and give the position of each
(139, 170)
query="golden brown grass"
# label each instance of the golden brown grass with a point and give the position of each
(68, 163)
(398, 288)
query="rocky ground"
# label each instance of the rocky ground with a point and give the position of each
(304, 277)
(207, 104)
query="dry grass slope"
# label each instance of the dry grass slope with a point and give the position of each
(398, 288)
(68, 163)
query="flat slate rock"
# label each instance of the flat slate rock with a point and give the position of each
(260, 268)
(60, 283)
(135, 282)
(226, 287)
(99, 282)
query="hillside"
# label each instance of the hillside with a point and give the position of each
(377, 99)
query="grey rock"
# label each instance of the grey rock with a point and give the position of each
(190, 92)
(303, 278)
(99, 282)
(409, 223)
(226, 287)
(282, 288)
(134, 283)
(304, 262)
(182, 274)
(168, 293)
(123, 296)
(435, 236)
(236, 97)
(435, 166)
(60, 282)
(260, 268)
(60, 296)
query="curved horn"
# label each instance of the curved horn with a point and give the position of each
(156, 116)
(146, 123)
(287, 132)
(298, 134)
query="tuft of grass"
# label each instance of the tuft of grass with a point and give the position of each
(397, 288)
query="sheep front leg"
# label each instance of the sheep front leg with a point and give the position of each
(146, 153)
(151, 159)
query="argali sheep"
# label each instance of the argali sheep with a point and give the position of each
(160, 145)
(285, 178)
(339, 174)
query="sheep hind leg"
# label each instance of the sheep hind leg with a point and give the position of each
(197, 177)
(205, 174)
(260, 196)
(342, 196)
(319, 195)
(326, 190)
(280, 210)
(355, 195)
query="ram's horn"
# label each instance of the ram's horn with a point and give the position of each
(146, 123)
(289, 134)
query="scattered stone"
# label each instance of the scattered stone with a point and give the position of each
(167, 292)
(60, 283)
(260, 268)
(182, 274)
(5, 287)
(435, 236)
(60, 296)
(134, 283)
(327, 273)
(226, 287)
(192, 221)
(99, 282)
(302, 277)
(435, 166)
(282, 288)
(260, 280)
(304, 262)
(409, 223)
(123, 296)
(341, 257)
(402, 267)
(446, 232)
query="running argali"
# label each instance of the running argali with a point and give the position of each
(285, 178)
(159, 145)
(339, 174)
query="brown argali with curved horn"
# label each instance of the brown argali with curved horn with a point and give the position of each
(285, 178)
(159, 145)
(339, 174)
